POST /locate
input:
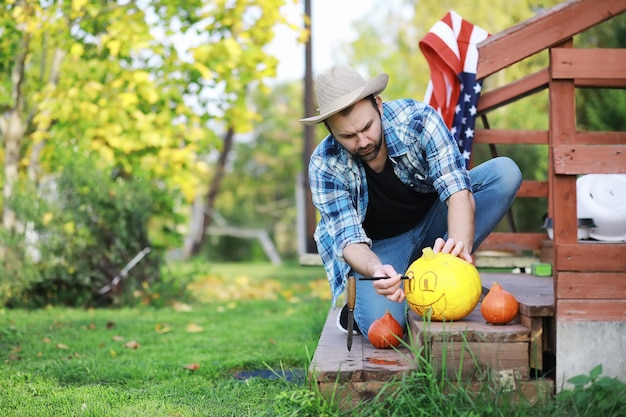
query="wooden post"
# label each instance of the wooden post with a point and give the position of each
(309, 139)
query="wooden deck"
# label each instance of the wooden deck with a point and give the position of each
(509, 352)
(357, 374)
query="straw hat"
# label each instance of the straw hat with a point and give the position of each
(339, 88)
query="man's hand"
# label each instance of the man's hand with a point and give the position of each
(390, 287)
(453, 247)
(361, 258)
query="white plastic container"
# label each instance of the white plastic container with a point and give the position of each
(602, 197)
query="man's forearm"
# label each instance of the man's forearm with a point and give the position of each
(361, 258)
(461, 220)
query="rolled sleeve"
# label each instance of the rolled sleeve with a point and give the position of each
(445, 161)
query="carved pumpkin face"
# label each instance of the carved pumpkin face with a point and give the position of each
(442, 286)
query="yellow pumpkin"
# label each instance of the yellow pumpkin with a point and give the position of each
(441, 286)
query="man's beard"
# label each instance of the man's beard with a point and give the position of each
(370, 152)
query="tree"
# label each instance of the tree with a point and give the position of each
(143, 90)
(259, 187)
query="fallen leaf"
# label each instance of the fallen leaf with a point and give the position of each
(162, 328)
(46, 340)
(194, 328)
(62, 346)
(91, 326)
(178, 306)
(192, 366)
(110, 325)
(132, 345)
(117, 338)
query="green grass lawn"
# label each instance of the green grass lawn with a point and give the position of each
(140, 361)
(185, 356)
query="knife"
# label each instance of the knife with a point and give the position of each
(351, 302)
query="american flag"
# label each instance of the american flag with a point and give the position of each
(451, 52)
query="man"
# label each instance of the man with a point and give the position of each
(388, 181)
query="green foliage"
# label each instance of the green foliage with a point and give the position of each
(594, 395)
(259, 189)
(602, 109)
(303, 402)
(88, 225)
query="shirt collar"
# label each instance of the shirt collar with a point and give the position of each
(395, 147)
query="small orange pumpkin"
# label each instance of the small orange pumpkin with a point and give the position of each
(385, 332)
(499, 306)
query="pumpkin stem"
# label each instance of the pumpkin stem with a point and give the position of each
(428, 254)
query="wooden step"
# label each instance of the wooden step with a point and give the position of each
(503, 355)
(472, 349)
(536, 310)
(360, 373)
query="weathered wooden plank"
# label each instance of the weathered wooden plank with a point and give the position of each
(471, 360)
(589, 285)
(600, 138)
(501, 96)
(332, 362)
(547, 252)
(588, 63)
(589, 159)
(537, 339)
(542, 31)
(591, 310)
(472, 328)
(591, 256)
(507, 137)
(533, 189)
(533, 391)
(489, 259)
(498, 97)
(515, 242)
(562, 200)
(350, 395)
(600, 83)
(534, 294)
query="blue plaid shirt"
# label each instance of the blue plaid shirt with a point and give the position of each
(425, 157)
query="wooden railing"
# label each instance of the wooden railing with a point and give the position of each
(576, 264)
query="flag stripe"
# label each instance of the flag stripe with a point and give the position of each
(452, 55)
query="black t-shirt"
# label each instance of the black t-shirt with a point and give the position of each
(393, 208)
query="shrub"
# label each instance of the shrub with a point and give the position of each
(79, 232)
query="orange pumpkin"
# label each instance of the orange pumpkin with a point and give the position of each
(499, 306)
(385, 332)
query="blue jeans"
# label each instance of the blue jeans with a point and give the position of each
(494, 185)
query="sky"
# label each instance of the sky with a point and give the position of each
(331, 26)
